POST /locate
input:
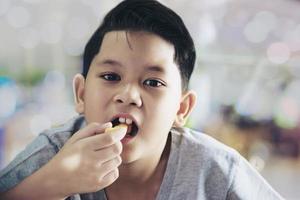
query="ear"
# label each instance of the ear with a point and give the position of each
(78, 92)
(187, 103)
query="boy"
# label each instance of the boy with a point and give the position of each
(136, 70)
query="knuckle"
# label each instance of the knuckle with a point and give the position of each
(117, 148)
(112, 164)
(115, 174)
(112, 176)
(96, 186)
(118, 160)
(94, 166)
(107, 179)
(94, 124)
(109, 139)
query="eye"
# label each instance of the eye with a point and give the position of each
(110, 77)
(153, 83)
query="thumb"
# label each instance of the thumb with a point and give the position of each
(90, 130)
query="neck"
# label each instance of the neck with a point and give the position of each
(142, 176)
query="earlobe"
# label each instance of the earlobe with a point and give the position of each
(78, 92)
(188, 101)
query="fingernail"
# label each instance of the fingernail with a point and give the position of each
(106, 125)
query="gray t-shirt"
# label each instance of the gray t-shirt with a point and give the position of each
(199, 167)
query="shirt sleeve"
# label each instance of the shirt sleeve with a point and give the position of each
(248, 184)
(32, 158)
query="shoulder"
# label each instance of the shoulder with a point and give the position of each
(205, 153)
(202, 145)
(37, 153)
(199, 165)
(216, 169)
(58, 135)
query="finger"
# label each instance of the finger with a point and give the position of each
(104, 140)
(90, 130)
(109, 171)
(108, 153)
(108, 166)
(109, 178)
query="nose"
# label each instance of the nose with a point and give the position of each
(128, 95)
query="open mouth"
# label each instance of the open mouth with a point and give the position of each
(132, 129)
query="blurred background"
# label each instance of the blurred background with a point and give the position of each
(247, 74)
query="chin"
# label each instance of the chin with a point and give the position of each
(129, 156)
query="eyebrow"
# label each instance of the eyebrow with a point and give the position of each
(154, 68)
(110, 62)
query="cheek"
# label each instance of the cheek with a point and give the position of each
(159, 122)
(94, 91)
(164, 110)
(95, 100)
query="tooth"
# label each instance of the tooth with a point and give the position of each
(128, 121)
(122, 120)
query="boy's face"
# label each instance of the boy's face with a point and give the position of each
(134, 76)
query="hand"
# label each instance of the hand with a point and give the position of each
(89, 160)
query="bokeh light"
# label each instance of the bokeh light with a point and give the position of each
(8, 96)
(39, 123)
(74, 47)
(29, 38)
(207, 30)
(51, 32)
(291, 37)
(55, 79)
(257, 162)
(78, 28)
(18, 17)
(287, 114)
(4, 6)
(278, 53)
(262, 24)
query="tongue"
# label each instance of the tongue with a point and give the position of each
(129, 129)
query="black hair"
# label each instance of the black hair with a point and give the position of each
(149, 16)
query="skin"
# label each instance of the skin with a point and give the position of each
(89, 157)
(133, 73)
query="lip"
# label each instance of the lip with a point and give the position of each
(126, 140)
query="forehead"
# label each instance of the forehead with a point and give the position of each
(137, 46)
